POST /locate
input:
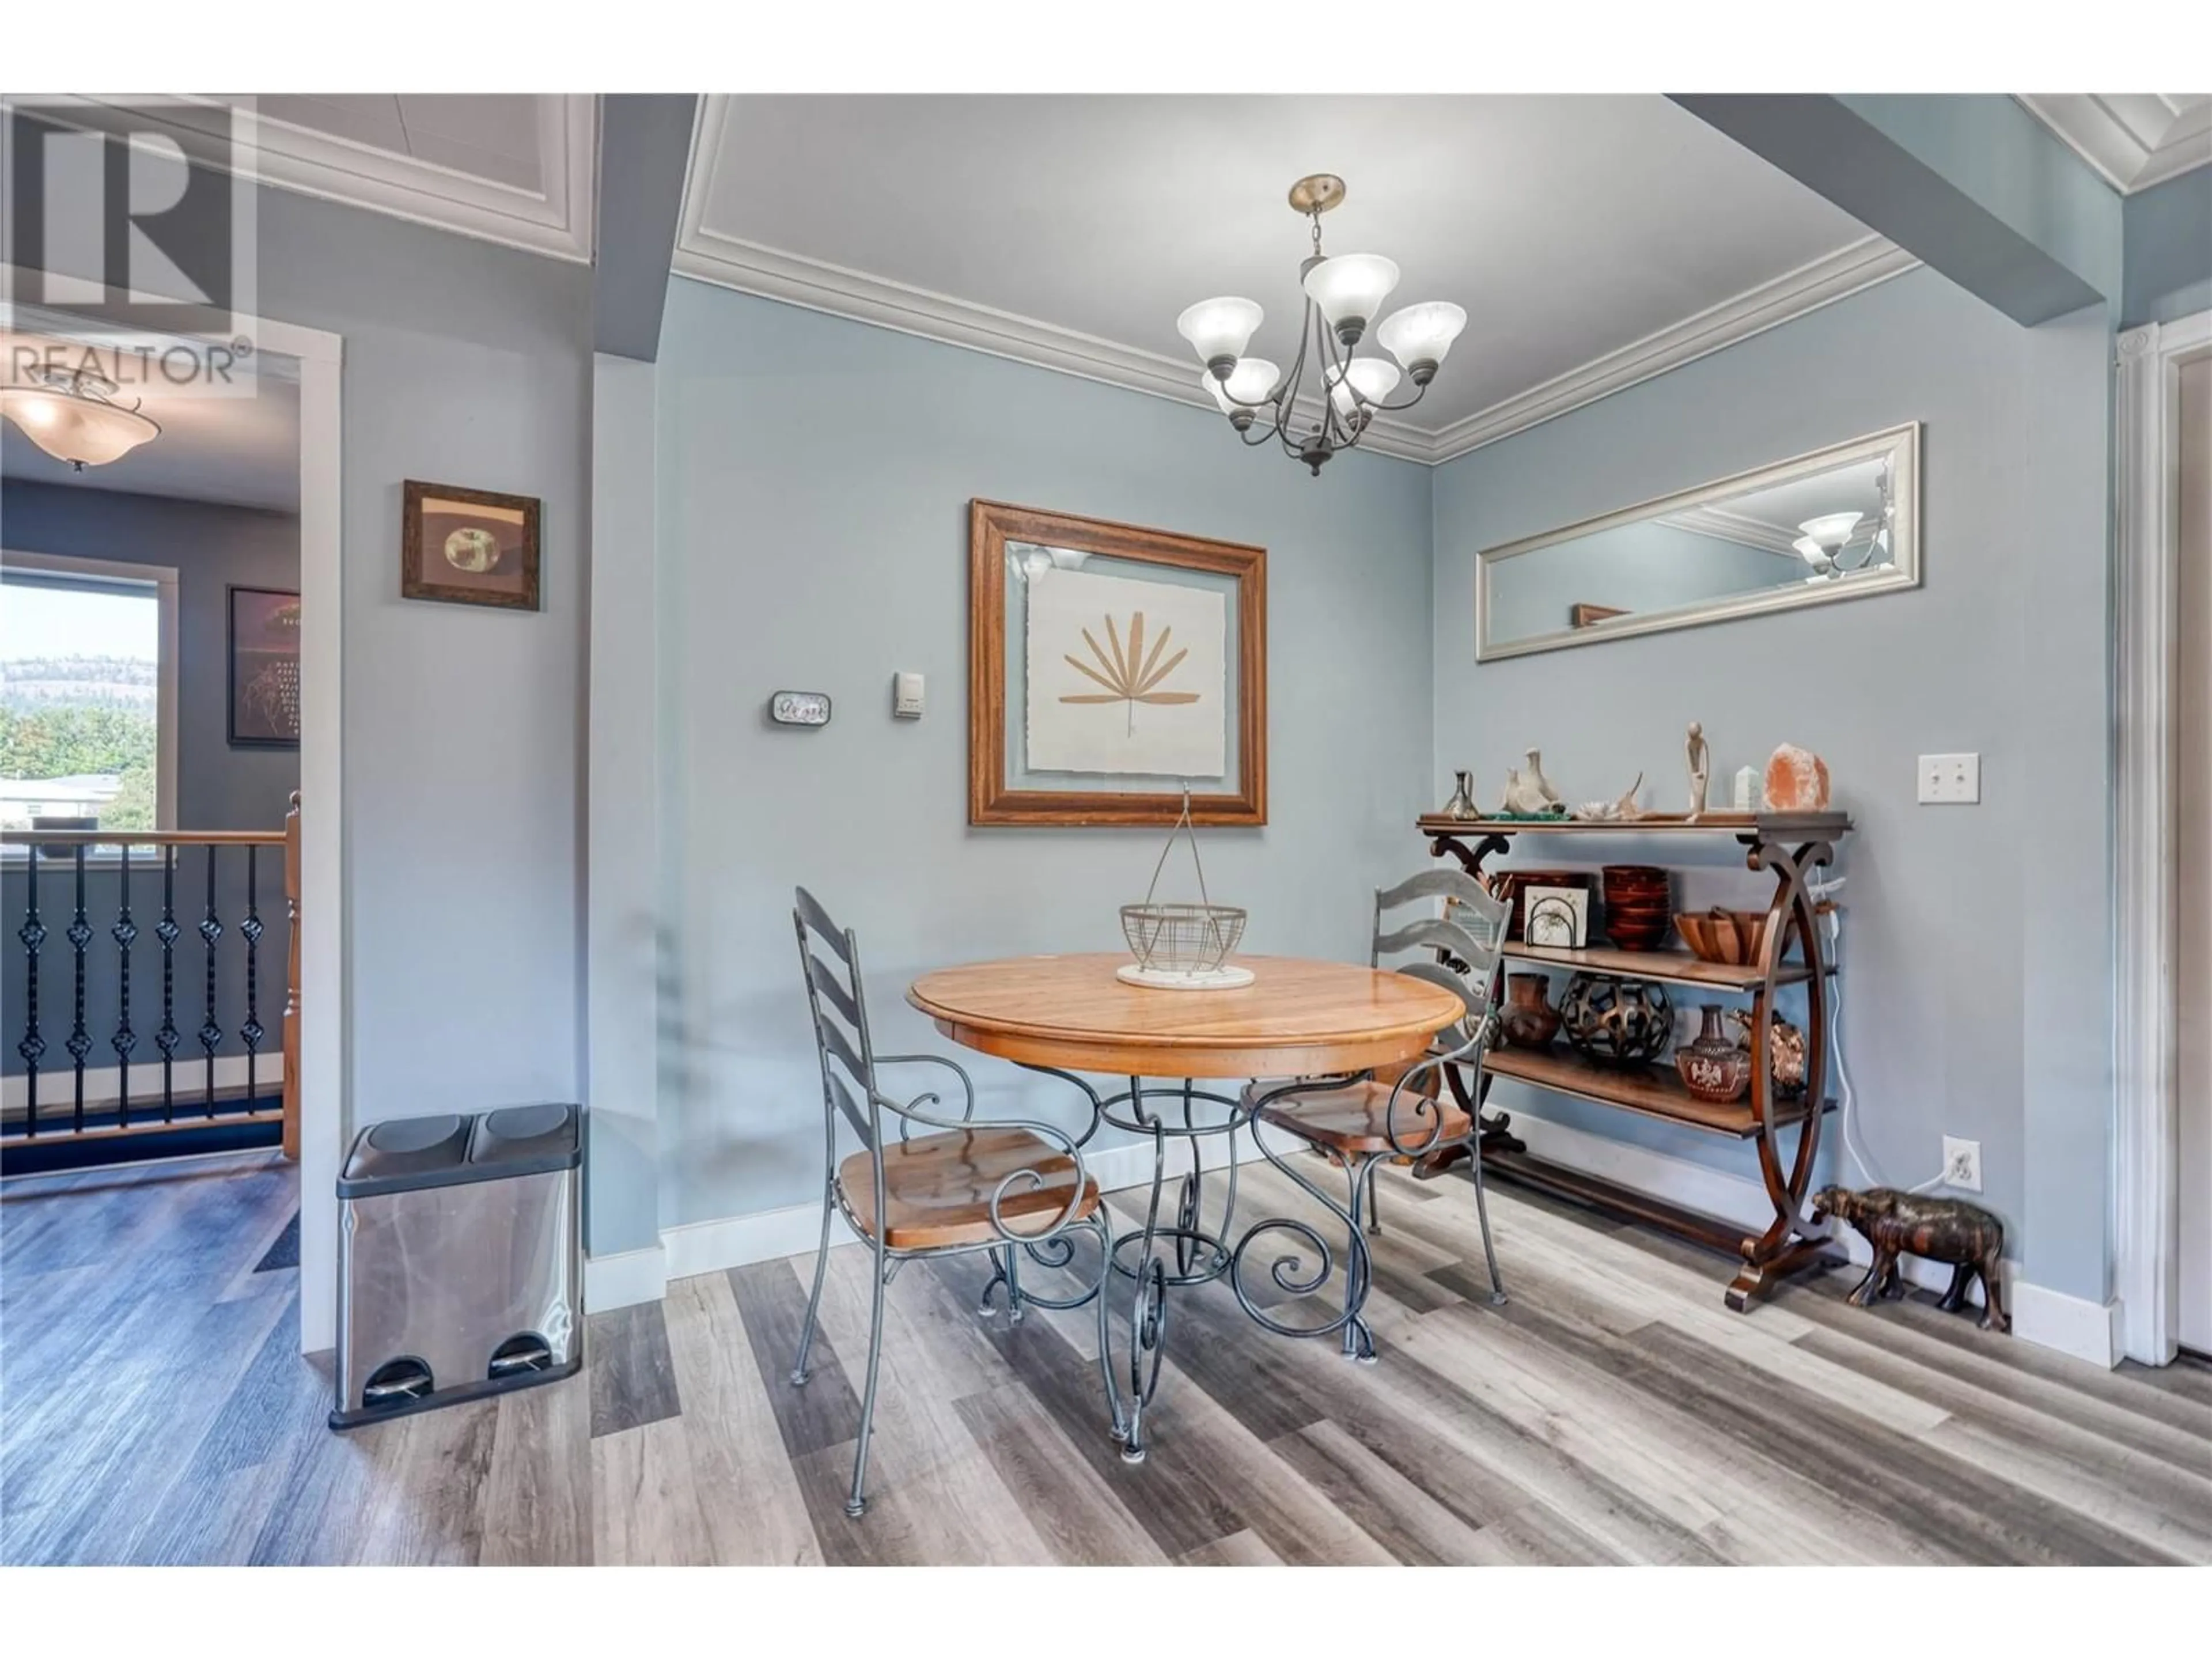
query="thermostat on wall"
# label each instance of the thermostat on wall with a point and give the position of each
(799, 708)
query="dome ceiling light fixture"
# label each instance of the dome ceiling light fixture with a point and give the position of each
(1345, 293)
(72, 415)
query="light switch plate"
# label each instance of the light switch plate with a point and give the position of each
(906, 697)
(1950, 779)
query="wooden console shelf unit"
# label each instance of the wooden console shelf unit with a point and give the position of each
(1790, 845)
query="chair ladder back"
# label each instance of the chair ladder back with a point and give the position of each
(1461, 948)
(841, 1017)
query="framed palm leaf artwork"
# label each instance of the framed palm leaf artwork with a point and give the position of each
(1110, 666)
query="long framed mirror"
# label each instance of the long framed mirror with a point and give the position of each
(1840, 523)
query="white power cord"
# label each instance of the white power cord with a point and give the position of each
(1847, 1115)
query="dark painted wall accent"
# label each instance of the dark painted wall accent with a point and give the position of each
(645, 145)
(2168, 260)
(1976, 187)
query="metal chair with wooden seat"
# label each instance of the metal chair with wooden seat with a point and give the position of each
(1008, 1187)
(1358, 1124)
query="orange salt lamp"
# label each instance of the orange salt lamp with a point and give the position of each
(1796, 780)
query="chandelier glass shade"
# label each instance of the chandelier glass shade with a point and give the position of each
(71, 415)
(1330, 395)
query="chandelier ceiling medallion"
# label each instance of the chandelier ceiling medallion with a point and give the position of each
(1344, 292)
(72, 415)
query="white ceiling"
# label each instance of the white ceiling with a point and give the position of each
(1593, 240)
(517, 168)
(244, 451)
(2135, 139)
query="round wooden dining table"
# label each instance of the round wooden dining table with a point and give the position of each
(1307, 1024)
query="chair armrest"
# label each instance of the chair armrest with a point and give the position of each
(967, 1083)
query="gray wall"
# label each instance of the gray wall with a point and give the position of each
(1975, 994)
(2168, 234)
(212, 548)
(815, 482)
(467, 364)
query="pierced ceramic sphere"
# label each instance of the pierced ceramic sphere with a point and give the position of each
(1623, 1022)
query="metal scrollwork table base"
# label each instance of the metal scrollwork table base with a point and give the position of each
(1312, 1024)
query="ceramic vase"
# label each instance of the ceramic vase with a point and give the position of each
(1462, 804)
(1528, 1020)
(1713, 1068)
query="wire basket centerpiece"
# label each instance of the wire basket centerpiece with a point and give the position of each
(1183, 946)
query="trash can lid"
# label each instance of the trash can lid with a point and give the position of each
(519, 1140)
(402, 1153)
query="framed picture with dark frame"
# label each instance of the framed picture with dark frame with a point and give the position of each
(264, 659)
(1111, 667)
(468, 546)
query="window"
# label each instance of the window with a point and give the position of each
(87, 699)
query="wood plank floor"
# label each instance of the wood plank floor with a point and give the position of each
(154, 1408)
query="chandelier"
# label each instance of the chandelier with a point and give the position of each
(72, 415)
(1343, 292)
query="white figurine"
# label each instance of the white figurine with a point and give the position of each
(1542, 784)
(1700, 762)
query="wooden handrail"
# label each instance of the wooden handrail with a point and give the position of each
(141, 838)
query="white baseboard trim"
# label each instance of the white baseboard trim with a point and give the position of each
(2072, 1325)
(705, 1247)
(625, 1280)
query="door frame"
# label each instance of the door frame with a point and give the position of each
(325, 1108)
(2146, 1173)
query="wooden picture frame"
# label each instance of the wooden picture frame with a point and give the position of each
(504, 526)
(991, 799)
(270, 705)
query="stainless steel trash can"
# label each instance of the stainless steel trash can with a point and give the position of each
(460, 1260)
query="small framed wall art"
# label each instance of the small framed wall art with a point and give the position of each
(1558, 917)
(468, 546)
(264, 668)
(1109, 668)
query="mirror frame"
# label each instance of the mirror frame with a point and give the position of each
(1904, 571)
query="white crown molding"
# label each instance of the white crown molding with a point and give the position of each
(710, 255)
(557, 220)
(713, 256)
(1738, 528)
(1824, 281)
(2135, 139)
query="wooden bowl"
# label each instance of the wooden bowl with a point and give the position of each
(1711, 938)
(1750, 929)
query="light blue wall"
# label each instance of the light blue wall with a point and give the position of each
(815, 481)
(471, 364)
(1977, 990)
(2169, 249)
(1635, 567)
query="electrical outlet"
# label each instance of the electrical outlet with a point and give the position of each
(1962, 1163)
(1950, 779)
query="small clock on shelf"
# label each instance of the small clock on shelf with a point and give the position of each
(799, 708)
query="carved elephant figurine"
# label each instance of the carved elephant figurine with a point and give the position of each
(1948, 1229)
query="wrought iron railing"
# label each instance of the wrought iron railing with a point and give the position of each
(100, 916)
